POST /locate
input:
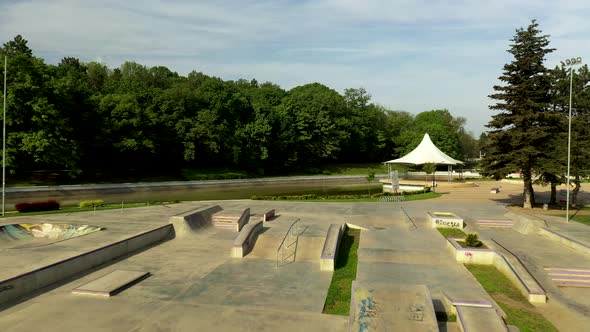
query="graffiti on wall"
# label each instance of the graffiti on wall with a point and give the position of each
(55, 232)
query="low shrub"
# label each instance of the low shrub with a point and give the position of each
(37, 206)
(92, 203)
(471, 240)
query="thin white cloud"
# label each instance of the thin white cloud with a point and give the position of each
(409, 54)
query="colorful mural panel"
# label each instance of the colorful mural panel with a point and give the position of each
(46, 231)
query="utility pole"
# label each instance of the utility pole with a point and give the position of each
(4, 141)
(571, 63)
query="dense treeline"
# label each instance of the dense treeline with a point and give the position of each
(529, 132)
(86, 118)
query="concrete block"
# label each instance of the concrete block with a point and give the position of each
(475, 319)
(244, 218)
(526, 223)
(471, 255)
(148, 238)
(112, 283)
(527, 285)
(331, 245)
(268, 215)
(246, 239)
(192, 221)
(565, 240)
(445, 219)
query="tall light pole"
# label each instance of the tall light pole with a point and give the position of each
(571, 63)
(4, 140)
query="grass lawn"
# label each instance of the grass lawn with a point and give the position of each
(520, 312)
(583, 219)
(452, 233)
(73, 209)
(414, 197)
(338, 298)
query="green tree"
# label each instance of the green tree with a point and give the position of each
(367, 126)
(520, 131)
(370, 178)
(313, 127)
(40, 131)
(443, 129)
(430, 168)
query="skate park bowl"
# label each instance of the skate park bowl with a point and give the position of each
(16, 236)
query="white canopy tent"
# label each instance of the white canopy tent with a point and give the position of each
(425, 152)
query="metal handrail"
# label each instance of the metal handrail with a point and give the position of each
(284, 238)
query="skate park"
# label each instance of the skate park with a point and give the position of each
(232, 266)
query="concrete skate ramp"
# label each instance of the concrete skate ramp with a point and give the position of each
(391, 307)
(192, 221)
(16, 236)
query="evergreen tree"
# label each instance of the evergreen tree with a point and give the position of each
(520, 132)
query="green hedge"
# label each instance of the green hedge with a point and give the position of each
(342, 196)
(91, 203)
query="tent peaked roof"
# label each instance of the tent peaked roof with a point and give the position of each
(425, 152)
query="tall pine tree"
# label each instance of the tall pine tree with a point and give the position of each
(522, 128)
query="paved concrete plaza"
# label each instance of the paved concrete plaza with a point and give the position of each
(194, 284)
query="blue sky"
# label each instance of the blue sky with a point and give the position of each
(412, 55)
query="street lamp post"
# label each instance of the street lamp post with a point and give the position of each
(571, 63)
(4, 140)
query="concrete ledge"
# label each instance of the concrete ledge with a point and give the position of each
(353, 226)
(244, 242)
(191, 221)
(475, 319)
(244, 218)
(26, 283)
(511, 266)
(112, 283)
(471, 255)
(576, 245)
(331, 245)
(533, 292)
(526, 223)
(268, 216)
(518, 274)
(445, 220)
(451, 303)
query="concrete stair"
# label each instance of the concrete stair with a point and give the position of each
(229, 221)
(493, 223)
(569, 276)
